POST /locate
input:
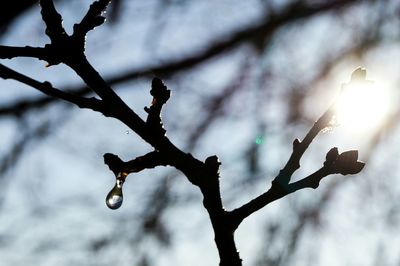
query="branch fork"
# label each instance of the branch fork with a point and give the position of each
(70, 51)
(64, 48)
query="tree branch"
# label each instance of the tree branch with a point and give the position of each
(299, 147)
(178, 65)
(70, 51)
(335, 163)
(147, 161)
(53, 21)
(9, 52)
(275, 192)
(48, 89)
(92, 19)
(345, 163)
(160, 95)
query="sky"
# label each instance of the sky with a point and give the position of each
(53, 208)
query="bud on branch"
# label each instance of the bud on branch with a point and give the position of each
(345, 163)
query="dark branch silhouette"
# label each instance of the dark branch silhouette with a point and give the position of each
(70, 50)
(248, 35)
(47, 88)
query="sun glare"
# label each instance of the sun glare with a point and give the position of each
(362, 107)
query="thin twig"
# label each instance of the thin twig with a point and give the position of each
(48, 89)
(9, 52)
(147, 161)
(344, 163)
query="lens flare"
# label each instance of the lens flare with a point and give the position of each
(362, 107)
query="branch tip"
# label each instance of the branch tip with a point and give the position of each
(296, 143)
(345, 163)
(92, 19)
(114, 162)
(159, 91)
(212, 163)
(160, 95)
(52, 19)
(331, 156)
(358, 75)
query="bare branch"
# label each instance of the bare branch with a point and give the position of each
(9, 52)
(299, 147)
(335, 163)
(92, 19)
(70, 51)
(53, 20)
(48, 89)
(175, 66)
(149, 160)
(165, 69)
(275, 192)
(160, 95)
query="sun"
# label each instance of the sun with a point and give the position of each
(362, 107)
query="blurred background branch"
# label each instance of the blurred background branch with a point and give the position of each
(248, 77)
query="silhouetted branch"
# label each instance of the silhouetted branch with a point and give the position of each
(48, 89)
(92, 19)
(160, 95)
(150, 160)
(344, 163)
(9, 52)
(299, 147)
(70, 50)
(114, 106)
(24, 105)
(53, 20)
(269, 25)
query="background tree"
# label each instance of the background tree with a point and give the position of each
(253, 60)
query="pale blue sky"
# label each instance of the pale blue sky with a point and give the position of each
(54, 205)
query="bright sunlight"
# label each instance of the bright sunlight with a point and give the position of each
(363, 105)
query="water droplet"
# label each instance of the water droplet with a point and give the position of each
(127, 132)
(114, 198)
